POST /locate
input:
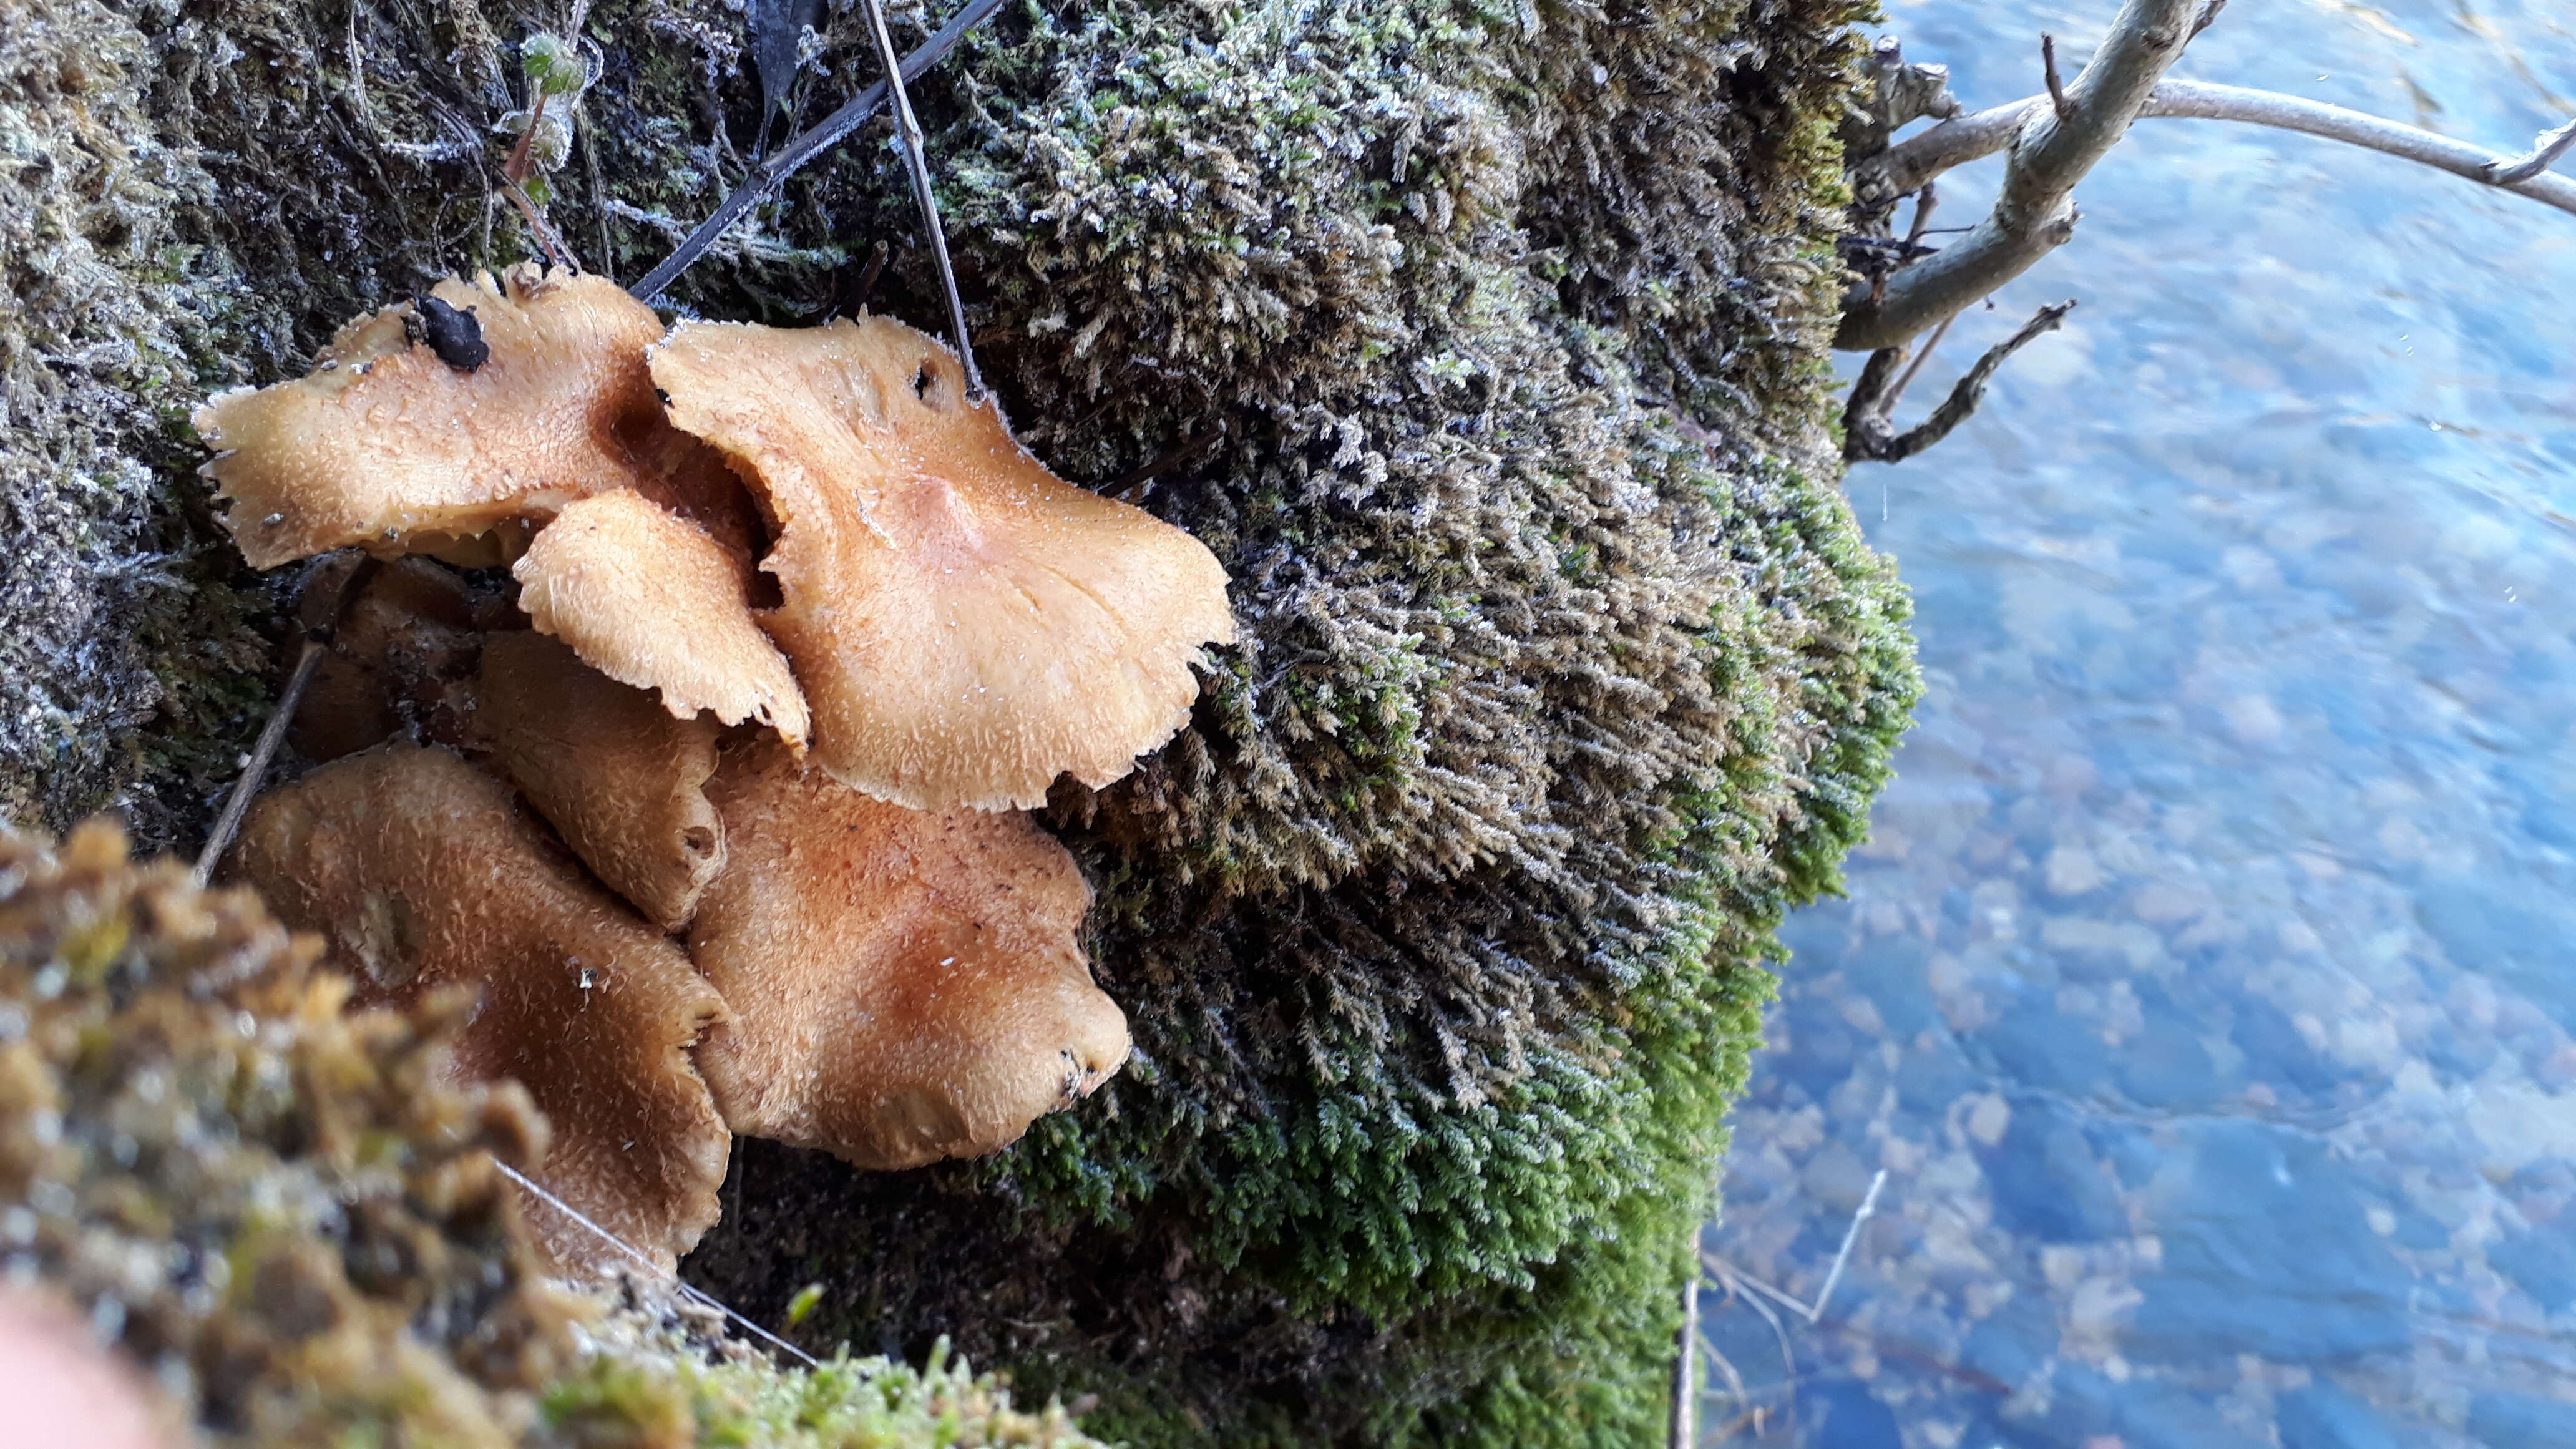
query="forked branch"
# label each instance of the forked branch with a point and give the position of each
(1869, 436)
(2035, 213)
(2055, 137)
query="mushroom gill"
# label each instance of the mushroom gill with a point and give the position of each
(906, 986)
(396, 443)
(420, 874)
(615, 774)
(651, 599)
(966, 625)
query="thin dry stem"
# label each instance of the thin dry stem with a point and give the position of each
(1922, 355)
(1728, 1275)
(1868, 1206)
(808, 144)
(917, 166)
(1869, 437)
(2202, 100)
(317, 641)
(1925, 199)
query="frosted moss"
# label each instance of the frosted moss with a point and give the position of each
(1488, 338)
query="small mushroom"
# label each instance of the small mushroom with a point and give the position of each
(400, 660)
(618, 777)
(649, 599)
(966, 625)
(907, 986)
(389, 445)
(420, 874)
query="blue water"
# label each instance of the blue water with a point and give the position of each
(2207, 992)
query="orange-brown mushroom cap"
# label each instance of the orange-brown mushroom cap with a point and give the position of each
(966, 625)
(649, 599)
(907, 986)
(419, 873)
(618, 777)
(386, 445)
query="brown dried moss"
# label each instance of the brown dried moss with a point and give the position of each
(272, 1207)
(268, 1202)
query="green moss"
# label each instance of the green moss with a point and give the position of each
(1567, 673)
(843, 1403)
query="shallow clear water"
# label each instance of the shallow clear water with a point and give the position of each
(2209, 991)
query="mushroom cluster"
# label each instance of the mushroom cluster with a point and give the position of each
(717, 795)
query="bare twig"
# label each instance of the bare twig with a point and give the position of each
(1870, 439)
(255, 768)
(1737, 1279)
(2035, 212)
(807, 145)
(1912, 163)
(2048, 72)
(682, 1286)
(1922, 355)
(1924, 200)
(868, 279)
(1726, 1366)
(321, 626)
(2545, 150)
(1869, 1204)
(918, 166)
(2202, 100)
(1736, 1282)
(2208, 17)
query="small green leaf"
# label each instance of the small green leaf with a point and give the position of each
(802, 1306)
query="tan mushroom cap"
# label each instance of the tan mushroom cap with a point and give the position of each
(907, 986)
(966, 625)
(420, 874)
(385, 445)
(618, 777)
(649, 599)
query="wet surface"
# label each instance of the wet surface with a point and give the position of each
(2207, 992)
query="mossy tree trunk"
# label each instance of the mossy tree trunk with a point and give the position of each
(1565, 669)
